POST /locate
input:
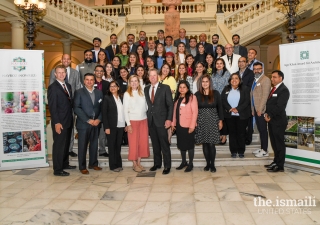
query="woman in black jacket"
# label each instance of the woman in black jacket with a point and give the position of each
(235, 99)
(113, 123)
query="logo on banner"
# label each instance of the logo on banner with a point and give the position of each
(304, 55)
(19, 64)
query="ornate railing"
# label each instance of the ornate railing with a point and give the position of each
(84, 13)
(249, 12)
(158, 8)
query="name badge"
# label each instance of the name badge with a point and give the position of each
(81, 67)
(227, 92)
(182, 104)
(124, 83)
(274, 95)
(258, 84)
(95, 85)
(100, 100)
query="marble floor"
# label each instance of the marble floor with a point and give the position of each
(106, 197)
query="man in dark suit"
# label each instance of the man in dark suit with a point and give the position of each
(103, 86)
(203, 41)
(113, 48)
(130, 40)
(238, 49)
(247, 77)
(182, 38)
(73, 78)
(212, 49)
(160, 111)
(142, 41)
(87, 107)
(277, 120)
(60, 106)
(96, 49)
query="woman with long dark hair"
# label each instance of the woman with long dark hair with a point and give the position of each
(116, 63)
(185, 115)
(165, 77)
(180, 56)
(109, 74)
(143, 76)
(132, 63)
(209, 63)
(235, 99)
(201, 56)
(220, 51)
(182, 75)
(210, 117)
(123, 54)
(102, 58)
(140, 55)
(150, 63)
(170, 61)
(199, 71)
(190, 64)
(220, 79)
(159, 55)
(113, 123)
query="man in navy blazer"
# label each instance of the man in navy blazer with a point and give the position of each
(60, 106)
(87, 107)
(160, 112)
(113, 48)
(96, 49)
(277, 120)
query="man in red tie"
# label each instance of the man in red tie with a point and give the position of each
(277, 120)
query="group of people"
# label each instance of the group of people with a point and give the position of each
(202, 91)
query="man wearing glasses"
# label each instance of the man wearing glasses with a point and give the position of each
(259, 95)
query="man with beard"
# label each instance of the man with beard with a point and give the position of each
(142, 40)
(87, 66)
(130, 40)
(96, 49)
(103, 86)
(212, 48)
(259, 95)
(73, 78)
(252, 54)
(238, 49)
(113, 48)
(151, 48)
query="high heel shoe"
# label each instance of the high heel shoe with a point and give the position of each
(182, 165)
(189, 168)
(206, 168)
(213, 169)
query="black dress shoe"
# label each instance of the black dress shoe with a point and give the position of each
(73, 154)
(104, 154)
(154, 168)
(166, 171)
(248, 142)
(213, 169)
(182, 165)
(234, 155)
(206, 168)
(270, 165)
(189, 168)
(62, 173)
(69, 167)
(275, 169)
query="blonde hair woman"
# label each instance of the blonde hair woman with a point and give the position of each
(135, 114)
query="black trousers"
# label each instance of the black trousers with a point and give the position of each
(86, 136)
(263, 131)
(160, 145)
(60, 148)
(276, 133)
(114, 147)
(249, 131)
(224, 130)
(237, 134)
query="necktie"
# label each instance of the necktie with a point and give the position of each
(152, 95)
(272, 91)
(229, 60)
(65, 90)
(114, 49)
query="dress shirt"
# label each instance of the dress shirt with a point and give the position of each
(182, 57)
(168, 48)
(121, 121)
(135, 107)
(155, 89)
(233, 99)
(63, 87)
(151, 52)
(98, 85)
(68, 72)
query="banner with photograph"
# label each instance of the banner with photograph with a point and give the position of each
(300, 63)
(23, 112)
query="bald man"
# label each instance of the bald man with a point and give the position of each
(231, 59)
(203, 41)
(73, 78)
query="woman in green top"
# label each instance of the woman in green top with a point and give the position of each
(123, 54)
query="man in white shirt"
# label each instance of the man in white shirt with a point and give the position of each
(151, 48)
(231, 59)
(169, 47)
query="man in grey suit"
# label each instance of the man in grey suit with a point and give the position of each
(87, 107)
(182, 38)
(160, 110)
(72, 78)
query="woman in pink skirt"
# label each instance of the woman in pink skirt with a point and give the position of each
(135, 113)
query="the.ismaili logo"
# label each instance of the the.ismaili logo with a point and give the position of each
(304, 55)
(19, 64)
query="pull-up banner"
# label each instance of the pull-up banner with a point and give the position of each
(22, 115)
(300, 63)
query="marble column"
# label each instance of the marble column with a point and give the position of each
(172, 18)
(17, 32)
(66, 46)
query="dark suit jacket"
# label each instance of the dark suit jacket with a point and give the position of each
(177, 42)
(157, 42)
(109, 112)
(84, 109)
(110, 51)
(105, 87)
(206, 45)
(73, 80)
(243, 107)
(133, 49)
(243, 51)
(59, 105)
(94, 55)
(276, 105)
(123, 85)
(162, 108)
(247, 77)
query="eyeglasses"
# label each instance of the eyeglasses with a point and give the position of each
(242, 61)
(114, 86)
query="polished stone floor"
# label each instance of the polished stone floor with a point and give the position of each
(106, 197)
